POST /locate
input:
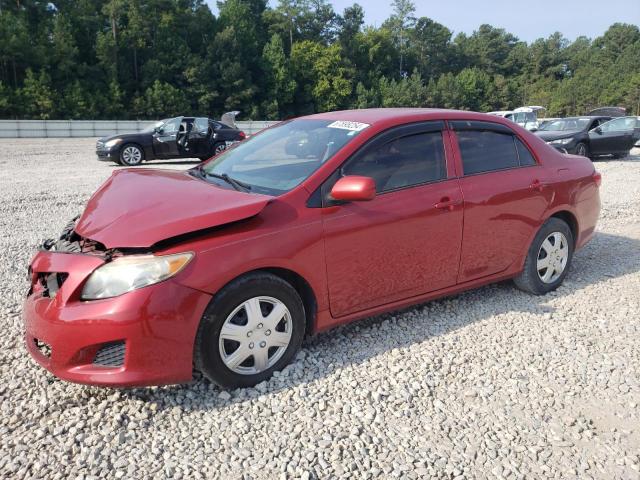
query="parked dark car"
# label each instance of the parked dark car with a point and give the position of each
(179, 137)
(608, 111)
(571, 134)
(592, 136)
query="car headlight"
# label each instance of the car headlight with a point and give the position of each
(113, 143)
(132, 272)
(561, 141)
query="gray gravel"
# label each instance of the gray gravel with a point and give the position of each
(493, 383)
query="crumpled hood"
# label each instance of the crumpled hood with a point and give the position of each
(138, 208)
(549, 136)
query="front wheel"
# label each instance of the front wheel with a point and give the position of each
(548, 258)
(131, 155)
(582, 149)
(252, 328)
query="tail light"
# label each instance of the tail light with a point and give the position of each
(597, 177)
(242, 135)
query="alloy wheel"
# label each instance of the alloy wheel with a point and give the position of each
(255, 335)
(581, 150)
(552, 257)
(131, 155)
(220, 148)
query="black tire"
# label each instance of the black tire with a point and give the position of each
(131, 155)
(207, 357)
(529, 279)
(218, 148)
(582, 149)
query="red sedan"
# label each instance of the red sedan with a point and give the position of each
(312, 223)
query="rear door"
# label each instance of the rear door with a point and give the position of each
(199, 137)
(504, 197)
(404, 242)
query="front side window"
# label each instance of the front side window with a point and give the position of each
(172, 125)
(402, 162)
(281, 157)
(486, 151)
(202, 125)
(619, 125)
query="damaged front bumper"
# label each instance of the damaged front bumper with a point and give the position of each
(143, 337)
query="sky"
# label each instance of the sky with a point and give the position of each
(527, 19)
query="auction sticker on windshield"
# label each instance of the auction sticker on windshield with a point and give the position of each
(345, 125)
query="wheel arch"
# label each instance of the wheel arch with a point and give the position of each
(301, 286)
(570, 219)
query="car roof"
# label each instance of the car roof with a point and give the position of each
(578, 117)
(373, 116)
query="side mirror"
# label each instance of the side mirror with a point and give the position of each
(598, 130)
(354, 188)
(534, 129)
(159, 130)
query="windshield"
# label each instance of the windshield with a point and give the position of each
(158, 124)
(566, 124)
(281, 157)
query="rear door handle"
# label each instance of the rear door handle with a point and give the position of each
(537, 185)
(447, 204)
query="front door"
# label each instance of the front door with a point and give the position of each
(404, 242)
(504, 197)
(615, 136)
(165, 139)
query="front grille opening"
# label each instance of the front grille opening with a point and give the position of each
(110, 355)
(44, 348)
(51, 283)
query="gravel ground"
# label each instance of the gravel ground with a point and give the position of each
(492, 383)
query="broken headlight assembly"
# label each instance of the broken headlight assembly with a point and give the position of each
(128, 273)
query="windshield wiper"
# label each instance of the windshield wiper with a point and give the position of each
(237, 184)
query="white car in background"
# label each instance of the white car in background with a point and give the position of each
(526, 117)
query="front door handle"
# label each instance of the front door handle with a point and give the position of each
(447, 204)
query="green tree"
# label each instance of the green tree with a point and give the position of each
(161, 100)
(400, 23)
(406, 92)
(280, 85)
(37, 95)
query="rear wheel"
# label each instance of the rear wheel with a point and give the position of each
(252, 328)
(219, 148)
(548, 258)
(131, 155)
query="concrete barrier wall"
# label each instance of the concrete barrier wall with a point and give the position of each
(90, 128)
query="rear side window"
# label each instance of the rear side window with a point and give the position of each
(524, 155)
(486, 151)
(202, 124)
(402, 162)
